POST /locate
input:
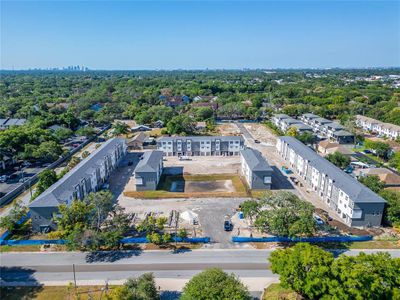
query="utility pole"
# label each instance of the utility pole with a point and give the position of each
(73, 269)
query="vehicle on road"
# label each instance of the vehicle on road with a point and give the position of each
(257, 141)
(294, 180)
(22, 180)
(228, 226)
(184, 157)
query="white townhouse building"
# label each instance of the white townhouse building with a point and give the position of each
(353, 202)
(86, 177)
(386, 129)
(328, 129)
(200, 145)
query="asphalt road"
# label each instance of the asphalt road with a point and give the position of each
(56, 268)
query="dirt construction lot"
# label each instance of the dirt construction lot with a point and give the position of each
(205, 164)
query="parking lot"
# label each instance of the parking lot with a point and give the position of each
(16, 175)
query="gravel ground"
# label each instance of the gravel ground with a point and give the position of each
(206, 164)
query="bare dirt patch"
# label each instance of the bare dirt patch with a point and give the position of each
(215, 186)
(205, 164)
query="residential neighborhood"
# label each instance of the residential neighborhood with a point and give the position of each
(200, 150)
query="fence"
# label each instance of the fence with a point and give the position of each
(277, 239)
(32, 180)
(137, 240)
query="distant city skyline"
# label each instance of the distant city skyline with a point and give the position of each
(190, 35)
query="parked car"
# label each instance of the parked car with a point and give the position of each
(257, 141)
(3, 178)
(366, 151)
(294, 180)
(318, 220)
(22, 180)
(228, 226)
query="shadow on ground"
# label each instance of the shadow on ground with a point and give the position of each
(170, 295)
(280, 182)
(111, 256)
(18, 274)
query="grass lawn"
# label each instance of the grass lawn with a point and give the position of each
(276, 292)
(51, 292)
(164, 186)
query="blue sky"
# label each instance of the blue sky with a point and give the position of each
(199, 34)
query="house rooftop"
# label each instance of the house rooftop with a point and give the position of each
(149, 162)
(358, 192)
(255, 160)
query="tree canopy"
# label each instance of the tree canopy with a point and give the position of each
(214, 284)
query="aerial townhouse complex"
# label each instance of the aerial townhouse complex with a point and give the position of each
(385, 129)
(355, 204)
(284, 122)
(201, 145)
(88, 176)
(313, 123)
(327, 128)
(255, 169)
(148, 171)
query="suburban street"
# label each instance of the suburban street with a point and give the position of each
(171, 269)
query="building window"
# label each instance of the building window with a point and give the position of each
(267, 179)
(139, 181)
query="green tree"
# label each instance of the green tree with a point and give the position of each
(120, 128)
(339, 160)
(292, 131)
(392, 209)
(46, 179)
(62, 133)
(215, 284)
(154, 238)
(303, 268)
(182, 233)
(46, 151)
(373, 183)
(181, 124)
(250, 208)
(374, 276)
(9, 222)
(141, 288)
(85, 154)
(87, 131)
(73, 161)
(286, 215)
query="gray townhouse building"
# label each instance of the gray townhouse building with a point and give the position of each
(200, 145)
(86, 177)
(255, 169)
(327, 128)
(148, 171)
(354, 203)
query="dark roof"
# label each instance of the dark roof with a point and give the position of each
(255, 160)
(149, 161)
(56, 193)
(354, 189)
